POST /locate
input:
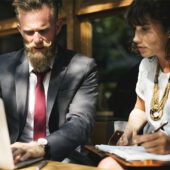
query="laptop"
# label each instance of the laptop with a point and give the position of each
(6, 157)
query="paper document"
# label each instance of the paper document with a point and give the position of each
(130, 153)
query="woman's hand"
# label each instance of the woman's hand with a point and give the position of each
(126, 139)
(136, 121)
(158, 143)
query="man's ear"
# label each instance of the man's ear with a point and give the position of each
(19, 28)
(59, 25)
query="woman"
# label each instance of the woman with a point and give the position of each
(150, 20)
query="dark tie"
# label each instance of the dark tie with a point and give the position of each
(39, 108)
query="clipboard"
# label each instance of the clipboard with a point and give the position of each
(133, 163)
(136, 163)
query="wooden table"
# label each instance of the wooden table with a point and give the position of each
(52, 165)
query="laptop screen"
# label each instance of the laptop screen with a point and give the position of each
(6, 158)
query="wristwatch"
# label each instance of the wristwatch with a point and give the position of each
(44, 143)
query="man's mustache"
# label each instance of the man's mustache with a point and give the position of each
(44, 44)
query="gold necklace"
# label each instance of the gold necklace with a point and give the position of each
(156, 111)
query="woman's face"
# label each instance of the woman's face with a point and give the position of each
(151, 39)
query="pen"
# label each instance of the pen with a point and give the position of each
(161, 126)
(41, 165)
(156, 130)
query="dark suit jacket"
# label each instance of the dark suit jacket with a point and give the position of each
(71, 99)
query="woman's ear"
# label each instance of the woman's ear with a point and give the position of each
(59, 25)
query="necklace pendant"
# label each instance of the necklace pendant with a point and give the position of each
(155, 114)
(156, 108)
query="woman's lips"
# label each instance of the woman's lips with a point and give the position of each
(141, 49)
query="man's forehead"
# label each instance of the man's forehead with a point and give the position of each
(34, 28)
(40, 19)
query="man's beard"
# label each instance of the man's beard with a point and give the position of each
(40, 61)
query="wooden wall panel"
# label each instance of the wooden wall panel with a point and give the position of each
(8, 26)
(86, 37)
(89, 7)
(76, 15)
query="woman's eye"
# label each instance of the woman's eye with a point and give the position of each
(145, 28)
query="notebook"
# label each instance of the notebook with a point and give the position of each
(6, 157)
(132, 153)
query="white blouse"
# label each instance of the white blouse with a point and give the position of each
(144, 89)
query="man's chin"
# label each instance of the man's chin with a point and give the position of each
(40, 60)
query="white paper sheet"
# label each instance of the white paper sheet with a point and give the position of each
(132, 153)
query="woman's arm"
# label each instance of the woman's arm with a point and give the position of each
(136, 121)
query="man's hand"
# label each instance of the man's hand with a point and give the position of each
(24, 151)
(158, 143)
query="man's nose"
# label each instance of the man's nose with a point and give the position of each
(37, 38)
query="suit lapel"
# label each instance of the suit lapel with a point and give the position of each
(57, 75)
(21, 83)
(22, 80)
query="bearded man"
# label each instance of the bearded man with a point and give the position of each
(49, 93)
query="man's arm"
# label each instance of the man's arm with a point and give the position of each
(80, 118)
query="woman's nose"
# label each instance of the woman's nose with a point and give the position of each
(136, 38)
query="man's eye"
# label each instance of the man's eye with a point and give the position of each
(42, 31)
(29, 32)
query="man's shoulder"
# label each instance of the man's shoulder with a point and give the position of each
(10, 60)
(75, 55)
(81, 58)
(77, 59)
(11, 55)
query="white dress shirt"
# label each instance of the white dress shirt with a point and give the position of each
(28, 132)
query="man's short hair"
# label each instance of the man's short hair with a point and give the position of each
(29, 5)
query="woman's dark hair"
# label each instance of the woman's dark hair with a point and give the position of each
(140, 11)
